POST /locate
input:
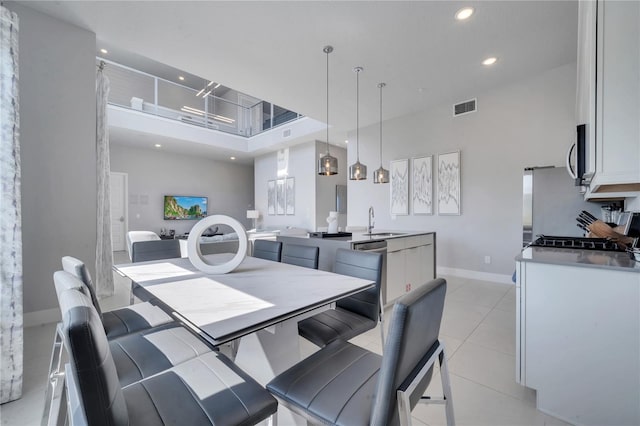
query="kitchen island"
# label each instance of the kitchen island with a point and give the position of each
(409, 257)
(578, 333)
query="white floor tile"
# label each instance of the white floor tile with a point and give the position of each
(478, 331)
(479, 293)
(460, 319)
(508, 302)
(475, 404)
(493, 369)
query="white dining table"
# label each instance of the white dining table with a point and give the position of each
(259, 303)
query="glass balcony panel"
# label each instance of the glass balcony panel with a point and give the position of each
(226, 109)
(129, 88)
(224, 115)
(282, 115)
(179, 102)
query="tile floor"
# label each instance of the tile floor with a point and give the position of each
(478, 330)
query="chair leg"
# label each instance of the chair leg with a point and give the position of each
(446, 387)
(273, 419)
(381, 321)
(54, 377)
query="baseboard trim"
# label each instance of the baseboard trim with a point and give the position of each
(483, 276)
(46, 316)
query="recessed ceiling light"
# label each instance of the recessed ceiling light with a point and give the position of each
(181, 78)
(490, 61)
(233, 158)
(103, 50)
(346, 141)
(158, 145)
(464, 13)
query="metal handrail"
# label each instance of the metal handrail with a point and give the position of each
(240, 125)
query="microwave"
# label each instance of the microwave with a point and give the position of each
(576, 156)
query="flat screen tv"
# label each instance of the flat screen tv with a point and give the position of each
(178, 207)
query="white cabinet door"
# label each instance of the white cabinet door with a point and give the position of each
(586, 79)
(618, 97)
(581, 342)
(395, 275)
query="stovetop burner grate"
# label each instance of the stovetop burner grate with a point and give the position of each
(576, 243)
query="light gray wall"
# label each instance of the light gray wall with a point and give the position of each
(301, 158)
(326, 185)
(57, 139)
(155, 173)
(524, 124)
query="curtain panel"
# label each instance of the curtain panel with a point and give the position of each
(11, 315)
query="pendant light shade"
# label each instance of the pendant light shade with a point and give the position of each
(357, 171)
(328, 165)
(381, 175)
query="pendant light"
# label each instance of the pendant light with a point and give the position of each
(381, 175)
(328, 165)
(358, 171)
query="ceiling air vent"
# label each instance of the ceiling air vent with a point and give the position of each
(286, 133)
(464, 107)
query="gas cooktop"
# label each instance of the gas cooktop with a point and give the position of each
(576, 243)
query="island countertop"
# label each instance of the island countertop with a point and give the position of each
(584, 258)
(362, 237)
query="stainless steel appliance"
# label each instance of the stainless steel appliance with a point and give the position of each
(376, 247)
(551, 204)
(576, 243)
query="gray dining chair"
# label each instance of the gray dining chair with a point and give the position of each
(121, 321)
(143, 251)
(207, 390)
(344, 384)
(266, 249)
(296, 254)
(352, 315)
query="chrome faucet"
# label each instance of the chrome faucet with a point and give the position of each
(371, 222)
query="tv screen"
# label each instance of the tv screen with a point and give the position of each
(184, 208)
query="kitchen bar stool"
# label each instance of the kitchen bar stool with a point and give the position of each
(208, 390)
(344, 384)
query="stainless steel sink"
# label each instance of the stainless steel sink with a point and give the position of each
(384, 234)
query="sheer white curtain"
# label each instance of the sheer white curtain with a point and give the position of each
(10, 216)
(104, 253)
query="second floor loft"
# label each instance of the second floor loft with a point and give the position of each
(214, 107)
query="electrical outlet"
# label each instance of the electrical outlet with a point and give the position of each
(487, 259)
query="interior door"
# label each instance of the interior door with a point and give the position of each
(119, 222)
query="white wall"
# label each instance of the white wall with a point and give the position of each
(525, 124)
(154, 173)
(300, 158)
(57, 139)
(315, 195)
(326, 185)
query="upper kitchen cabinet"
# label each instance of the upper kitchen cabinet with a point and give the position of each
(608, 95)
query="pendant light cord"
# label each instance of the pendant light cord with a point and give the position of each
(327, 51)
(358, 113)
(381, 85)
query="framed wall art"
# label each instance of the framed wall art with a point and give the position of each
(449, 183)
(280, 197)
(399, 187)
(422, 185)
(271, 197)
(290, 193)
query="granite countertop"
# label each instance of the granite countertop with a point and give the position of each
(361, 237)
(618, 260)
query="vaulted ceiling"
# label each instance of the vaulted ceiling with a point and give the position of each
(273, 50)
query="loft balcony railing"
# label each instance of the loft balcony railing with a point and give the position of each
(225, 110)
